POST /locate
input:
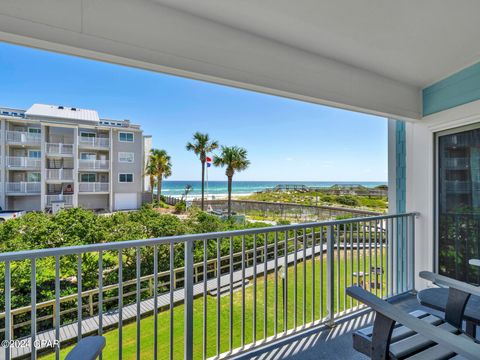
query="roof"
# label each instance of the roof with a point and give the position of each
(62, 112)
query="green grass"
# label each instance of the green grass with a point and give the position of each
(147, 324)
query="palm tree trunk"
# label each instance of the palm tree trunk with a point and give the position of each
(152, 185)
(159, 188)
(203, 186)
(229, 196)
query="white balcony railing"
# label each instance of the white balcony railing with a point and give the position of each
(93, 187)
(23, 187)
(21, 137)
(67, 199)
(23, 162)
(59, 149)
(95, 142)
(93, 164)
(305, 267)
(60, 174)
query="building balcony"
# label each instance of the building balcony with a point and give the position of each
(94, 187)
(23, 138)
(59, 175)
(59, 150)
(23, 162)
(67, 199)
(13, 188)
(93, 142)
(297, 276)
(93, 164)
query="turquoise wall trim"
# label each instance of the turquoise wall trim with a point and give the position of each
(457, 89)
(401, 200)
(401, 157)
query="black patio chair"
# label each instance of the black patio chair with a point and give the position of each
(447, 299)
(397, 334)
(88, 348)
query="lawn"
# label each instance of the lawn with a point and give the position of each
(304, 296)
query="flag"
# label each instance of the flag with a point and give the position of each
(209, 161)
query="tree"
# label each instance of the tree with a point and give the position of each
(234, 159)
(151, 172)
(202, 146)
(162, 167)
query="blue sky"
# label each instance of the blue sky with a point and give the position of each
(286, 139)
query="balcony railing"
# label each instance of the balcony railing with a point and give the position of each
(458, 187)
(21, 137)
(23, 187)
(93, 164)
(298, 276)
(93, 187)
(23, 162)
(67, 199)
(95, 142)
(54, 149)
(60, 174)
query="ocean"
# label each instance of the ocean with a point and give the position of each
(219, 188)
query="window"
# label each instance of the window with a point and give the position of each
(34, 130)
(86, 134)
(125, 136)
(125, 178)
(88, 178)
(37, 154)
(33, 177)
(458, 203)
(126, 157)
(88, 156)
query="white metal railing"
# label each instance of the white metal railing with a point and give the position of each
(23, 187)
(23, 162)
(60, 174)
(58, 149)
(22, 137)
(93, 186)
(95, 142)
(93, 164)
(309, 265)
(67, 199)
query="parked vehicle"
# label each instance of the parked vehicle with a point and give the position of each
(10, 214)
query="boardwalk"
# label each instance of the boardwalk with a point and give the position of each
(91, 325)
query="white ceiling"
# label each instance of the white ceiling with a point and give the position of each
(414, 41)
(366, 55)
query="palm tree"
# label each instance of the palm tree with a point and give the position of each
(151, 172)
(201, 146)
(234, 159)
(162, 167)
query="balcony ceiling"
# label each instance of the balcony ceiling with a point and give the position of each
(366, 55)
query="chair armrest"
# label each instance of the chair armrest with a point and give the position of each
(452, 283)
(460, 345)
(89, 348)
(474, 262)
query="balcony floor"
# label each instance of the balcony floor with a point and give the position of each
(326, 343)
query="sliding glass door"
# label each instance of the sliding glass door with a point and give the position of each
(458, 203)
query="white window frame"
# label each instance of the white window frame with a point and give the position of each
(88, 132)
(88, 153)
(89, 174)
(34, 172)
(123, 153)
(34, 128)
(126, 132)
(126, 182)
(31, 157)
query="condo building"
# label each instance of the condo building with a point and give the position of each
(57, 156)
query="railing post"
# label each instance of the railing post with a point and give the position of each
(330, 277)
(188, 325)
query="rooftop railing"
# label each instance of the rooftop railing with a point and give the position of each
(206, 295)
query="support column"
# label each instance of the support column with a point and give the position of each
(43, 167)
(75, 167)
(110, 171)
